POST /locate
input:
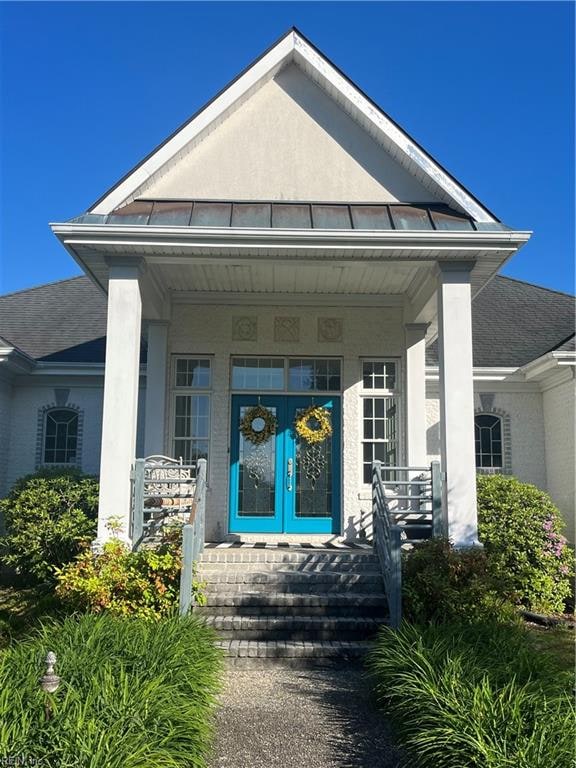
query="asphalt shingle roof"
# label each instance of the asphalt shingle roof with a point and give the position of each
(64, 321)
(513, 322)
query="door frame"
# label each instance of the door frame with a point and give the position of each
(284, 520)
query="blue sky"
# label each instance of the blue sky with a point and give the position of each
(88, 89)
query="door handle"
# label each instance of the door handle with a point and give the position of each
(289, 473)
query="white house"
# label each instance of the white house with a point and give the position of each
(290, 248)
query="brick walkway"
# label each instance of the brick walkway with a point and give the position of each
(291, 718)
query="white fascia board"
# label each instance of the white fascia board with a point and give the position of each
(478, 373)
(565, 358)
(261, 70)
(69, 369)
(15, 361)
(548, 364)
(74, 369)
(105, 234)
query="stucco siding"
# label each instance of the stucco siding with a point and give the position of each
(559, 425)
(289, 141)
(208, 331)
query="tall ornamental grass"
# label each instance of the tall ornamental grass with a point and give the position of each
(134, 694)
(474, 696)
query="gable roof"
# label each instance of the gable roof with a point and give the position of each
(294, 48)
(514, 322)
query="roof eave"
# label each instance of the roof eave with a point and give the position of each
(275, 236)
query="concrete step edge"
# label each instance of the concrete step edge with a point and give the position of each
(295, 648)
(271, 556)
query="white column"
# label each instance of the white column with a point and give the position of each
(457, 402)
(415, 337)
(156, 361)
(120, 397)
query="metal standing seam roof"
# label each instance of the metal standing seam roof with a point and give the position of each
(289, 215)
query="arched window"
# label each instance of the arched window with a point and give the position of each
(488, 437)
(60, 436)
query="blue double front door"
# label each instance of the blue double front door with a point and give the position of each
(280, 482)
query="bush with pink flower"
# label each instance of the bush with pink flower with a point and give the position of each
(521, 530)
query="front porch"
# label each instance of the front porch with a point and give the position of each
(287, 320)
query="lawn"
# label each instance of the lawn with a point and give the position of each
(559, 642)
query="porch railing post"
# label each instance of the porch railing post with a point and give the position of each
(137, 516)
(395, 596)
(388, 546)
(193, 539)
(437, 512)
(202, 479)
(187, 568)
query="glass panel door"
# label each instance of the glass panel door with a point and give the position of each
(257, 454)
(284, 478)
(314, 505)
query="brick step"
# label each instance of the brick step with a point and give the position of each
(276, 603)
(347, 566)
(291, 588)
(308, 628)
(240, 555)
(291, 582)
(249, 653)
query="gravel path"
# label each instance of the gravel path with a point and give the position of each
(293, 718)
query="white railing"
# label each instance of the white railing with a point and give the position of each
(406, 507)
(164, 490)
(414, 498)
(388, 546)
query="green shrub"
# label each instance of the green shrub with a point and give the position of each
(133, 694)
(521, 530)
(474, 696)
(441, 583)
(144, 583)
(49, 517)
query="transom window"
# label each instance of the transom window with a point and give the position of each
(286, 375)
(378, 375)
(191, 409)
(60, 436)
(488, 441)
(193, 373)
(380, 415)
(257, 373)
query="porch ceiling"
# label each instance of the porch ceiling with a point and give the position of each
(205, 262)
(361, 278)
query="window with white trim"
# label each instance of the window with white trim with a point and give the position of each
(380, 415)
(60, 444)
(192, 378)
(488, 441)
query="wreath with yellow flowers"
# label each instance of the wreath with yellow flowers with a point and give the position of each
(313, 425)
(258, 425)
